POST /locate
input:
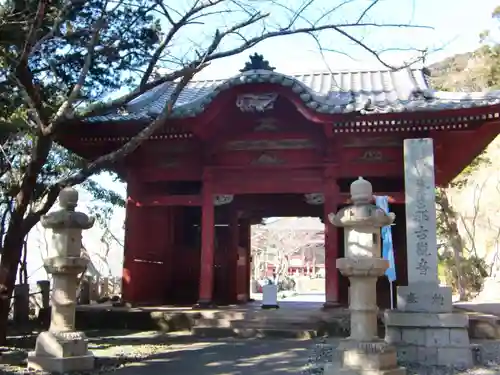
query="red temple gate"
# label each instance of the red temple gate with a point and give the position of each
(264, 144)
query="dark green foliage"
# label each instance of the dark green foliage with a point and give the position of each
(463, 178)
(474, 71)
(103, 195)
(474, 270)
(125, 44)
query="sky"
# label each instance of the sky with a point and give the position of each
(456, 25)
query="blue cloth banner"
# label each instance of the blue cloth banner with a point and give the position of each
(387, 247)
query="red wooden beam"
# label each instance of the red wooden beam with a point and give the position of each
(384, 169)
(285, 187)
(348, 170)
(155, 174)
(195, 200)
(168, 200)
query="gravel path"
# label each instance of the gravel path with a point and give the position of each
(147, 353)
(488, 360)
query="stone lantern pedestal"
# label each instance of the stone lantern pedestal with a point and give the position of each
(363, 352)
(61, 349)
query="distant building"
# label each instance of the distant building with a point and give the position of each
(308, 259)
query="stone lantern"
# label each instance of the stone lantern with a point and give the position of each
(61, 348)
(363, 265)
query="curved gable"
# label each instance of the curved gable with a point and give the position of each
(361, 92)
(324, 93)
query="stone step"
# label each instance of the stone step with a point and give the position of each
(264, 318)
(485, 327)
(257, 315)
(333, 328)
(212, 323)
(482, 326)
(256, 323)
(218, 332)
(278, 324)
(219, 314)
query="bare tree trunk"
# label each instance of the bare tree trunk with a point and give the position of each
(23, 265)
(12, 251)
(456, 242)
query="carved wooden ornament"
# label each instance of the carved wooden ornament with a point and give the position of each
(256, 102)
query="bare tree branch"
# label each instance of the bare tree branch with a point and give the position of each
(53, 191)
(35, 26)
(176, 26)
(119, 102)
(367, 9)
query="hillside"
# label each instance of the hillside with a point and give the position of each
(477, 204)
(451, 73)
(473, 71)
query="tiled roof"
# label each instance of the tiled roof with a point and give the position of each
(364, 92)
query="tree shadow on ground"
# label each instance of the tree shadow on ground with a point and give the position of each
(225, 356)
(150, 353)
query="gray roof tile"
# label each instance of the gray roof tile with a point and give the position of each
(365, 92)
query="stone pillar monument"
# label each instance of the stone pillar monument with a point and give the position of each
(61, 349)
(423, 326)
(363, 352)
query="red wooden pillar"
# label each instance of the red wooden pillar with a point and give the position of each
(207, 244)
(234, 255)
(245, 244)
(332, 197)
(132, 238)
(133, 241)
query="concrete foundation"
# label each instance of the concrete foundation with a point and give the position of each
(434, 339)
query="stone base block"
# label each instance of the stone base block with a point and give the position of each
(204, 305)
(394, 371)
(424, 297)
(269, 307)
(61, 352)
(398, 318)
(60, 365)
(430, 339)
(331, 305)
(459, 357)
(333, 369)
(367, 358)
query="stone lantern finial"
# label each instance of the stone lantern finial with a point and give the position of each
(362, 212)
(361, 191)
(68, 198)
(67, 217)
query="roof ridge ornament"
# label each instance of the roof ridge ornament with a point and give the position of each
(426, 71)
(257, 62)
(422, 94)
